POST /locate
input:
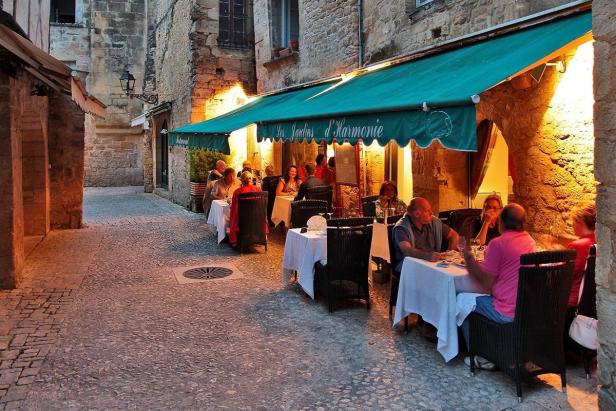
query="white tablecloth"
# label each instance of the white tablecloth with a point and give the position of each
(430, 291)
(301, 252)
(219, 217)
(282, 210)
(380, 242)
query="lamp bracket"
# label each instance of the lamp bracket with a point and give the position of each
(148, 98)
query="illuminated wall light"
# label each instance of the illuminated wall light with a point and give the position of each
(571, 106)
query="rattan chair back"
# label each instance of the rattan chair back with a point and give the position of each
(252, 215)
(302, 210)
(270, 184)
(324, 193)
(368, 206)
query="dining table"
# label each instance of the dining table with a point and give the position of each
(429, 289)
(220, 213)
(301, 252)
(281, 211)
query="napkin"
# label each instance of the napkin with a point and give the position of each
(316, 223)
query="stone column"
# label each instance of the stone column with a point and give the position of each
(35, 167)
(604, 32)
(11, 204)
(66, 156)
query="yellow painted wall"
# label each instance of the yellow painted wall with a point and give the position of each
(497, 175)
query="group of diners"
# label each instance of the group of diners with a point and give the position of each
(420, 234)
(314, 175)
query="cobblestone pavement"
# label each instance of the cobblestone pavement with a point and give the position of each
(102, 323)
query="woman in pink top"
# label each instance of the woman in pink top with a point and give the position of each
(584, 219)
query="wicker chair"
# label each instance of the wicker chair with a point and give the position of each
(349, 222)
(348, 255)
(588, 303)
(395, 276)
(533, 343)
(270, 184)
(368, 207)
(302, 210)
(252, 215)
(325, 193)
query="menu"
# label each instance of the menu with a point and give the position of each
(346, 164)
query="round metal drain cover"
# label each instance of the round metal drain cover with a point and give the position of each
(207, 273)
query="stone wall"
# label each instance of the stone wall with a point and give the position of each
(327, 43)
(108, 37)
(604, 32)
(66, 158)
(191, 71)
(549, 130)
(398, 27)
(11, 201)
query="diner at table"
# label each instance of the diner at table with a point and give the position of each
(310, 182)
(289, 183)
(498, 275)
(388, 200)
(247, 186)
(226, 186)
(485, 228)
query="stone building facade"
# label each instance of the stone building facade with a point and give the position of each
(604, 32)
(42, 130)
(330, 44)
(98, 40)
(194, 72)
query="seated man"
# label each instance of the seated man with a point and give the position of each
(499, 273)
(420, 234)
(216, 173)
(310, 182)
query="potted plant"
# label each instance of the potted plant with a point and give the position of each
(294, 44)
(276, 52)
(200, 163)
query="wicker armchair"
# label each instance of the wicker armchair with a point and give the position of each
(368, 207)
(325, 193)
(302, 210)
(270, 184)
(349, 222)
(395, 275)
(348, 255)
(533, 343)
(252, 215)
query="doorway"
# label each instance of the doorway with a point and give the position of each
(489, 170)
(164, 156)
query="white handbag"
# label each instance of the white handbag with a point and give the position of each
(583, 330)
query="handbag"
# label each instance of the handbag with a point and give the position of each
(583, 330)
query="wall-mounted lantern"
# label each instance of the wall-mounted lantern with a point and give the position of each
(127, 80)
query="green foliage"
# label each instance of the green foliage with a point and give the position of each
(201, 161)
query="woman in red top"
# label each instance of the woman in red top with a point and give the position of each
(321, 161)
(584, 219)
(234, 220)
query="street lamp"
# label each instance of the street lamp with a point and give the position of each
(127, 80)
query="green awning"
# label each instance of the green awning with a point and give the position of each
(214, 133)
(427, 99)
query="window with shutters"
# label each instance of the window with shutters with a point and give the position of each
(232, 24)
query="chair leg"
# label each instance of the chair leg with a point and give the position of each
(518, 383)
(472, 364)
(586, 360)
(390, 310)
(406, 324)
(563, 381)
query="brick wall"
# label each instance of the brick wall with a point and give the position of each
(604, 32)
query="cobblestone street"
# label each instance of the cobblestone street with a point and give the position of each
(102, 323)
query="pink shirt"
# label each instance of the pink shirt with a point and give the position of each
(502, 260)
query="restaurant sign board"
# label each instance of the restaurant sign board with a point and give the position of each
(454, 127)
